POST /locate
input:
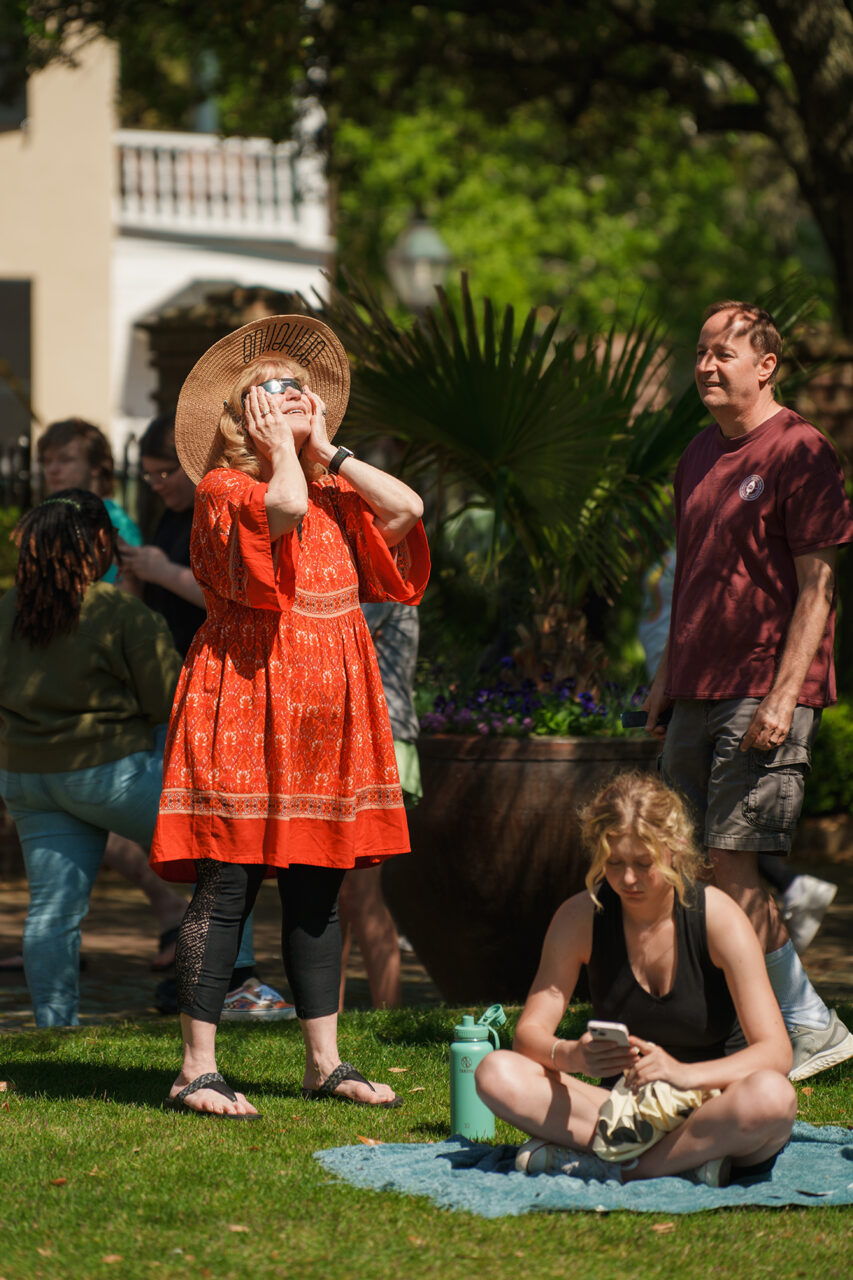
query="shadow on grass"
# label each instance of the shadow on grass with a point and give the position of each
(142, 1086)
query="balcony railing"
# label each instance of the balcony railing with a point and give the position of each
(199, 184)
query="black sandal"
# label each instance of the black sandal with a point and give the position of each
(211, 1080)
(346, 1071)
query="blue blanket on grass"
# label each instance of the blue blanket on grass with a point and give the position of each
(816, 1168)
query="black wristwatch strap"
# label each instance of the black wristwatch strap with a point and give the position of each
(341, 456)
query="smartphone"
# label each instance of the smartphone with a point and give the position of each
(612, 1032)
(637, 719)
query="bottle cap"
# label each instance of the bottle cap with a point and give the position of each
(468, 1029)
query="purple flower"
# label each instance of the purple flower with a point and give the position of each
(432, 723)
(482, 727)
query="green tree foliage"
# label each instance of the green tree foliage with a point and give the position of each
(588, 78)
(657, 220)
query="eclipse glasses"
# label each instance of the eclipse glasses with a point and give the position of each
(275, 387)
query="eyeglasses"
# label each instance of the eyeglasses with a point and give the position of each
(151, 476)
(275, 387)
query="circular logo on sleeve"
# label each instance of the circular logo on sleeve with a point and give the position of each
(751, 488)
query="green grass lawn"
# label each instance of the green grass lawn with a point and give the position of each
(95, 1181)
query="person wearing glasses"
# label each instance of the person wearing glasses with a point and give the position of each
(162, 568)
(279, 760)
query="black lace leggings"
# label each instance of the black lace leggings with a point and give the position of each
(209, 937)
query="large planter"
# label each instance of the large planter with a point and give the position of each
(495, 850)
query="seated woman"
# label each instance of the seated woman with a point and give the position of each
(674, 960)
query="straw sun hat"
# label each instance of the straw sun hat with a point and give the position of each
(309, 342)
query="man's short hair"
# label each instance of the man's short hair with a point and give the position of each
(99, 455)
(761, 328)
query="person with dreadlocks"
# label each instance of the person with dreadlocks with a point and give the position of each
(87, 677)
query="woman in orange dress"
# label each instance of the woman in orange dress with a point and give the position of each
(279, 759)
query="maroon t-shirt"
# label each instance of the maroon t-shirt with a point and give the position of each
(744, 509)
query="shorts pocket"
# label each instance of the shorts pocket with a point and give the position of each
(777, 782)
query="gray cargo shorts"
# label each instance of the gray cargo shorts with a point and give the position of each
(748, 800)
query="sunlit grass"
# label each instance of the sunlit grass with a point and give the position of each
(97, 1181)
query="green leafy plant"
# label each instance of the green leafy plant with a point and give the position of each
(829, 786)
(537, 429)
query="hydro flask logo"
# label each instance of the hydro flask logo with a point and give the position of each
(466, 1062)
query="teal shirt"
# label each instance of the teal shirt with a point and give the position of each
(126, 529)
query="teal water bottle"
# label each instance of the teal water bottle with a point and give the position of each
(469, 1116)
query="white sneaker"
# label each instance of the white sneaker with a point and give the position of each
(804, 905)
(817, 1049)
(714, 1173)
(537, 1156)
(256, 1002)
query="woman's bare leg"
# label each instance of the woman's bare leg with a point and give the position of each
(750, 1121)
(363, 911)
(545, 1104)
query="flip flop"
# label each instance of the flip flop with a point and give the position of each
(210, 1080)
(168, 938)
(346, 1071)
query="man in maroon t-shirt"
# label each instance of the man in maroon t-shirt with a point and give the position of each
(760, 512)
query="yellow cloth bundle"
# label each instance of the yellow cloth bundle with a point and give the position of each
(629, 1123)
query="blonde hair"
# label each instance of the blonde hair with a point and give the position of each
(236, 452)
(640, 805)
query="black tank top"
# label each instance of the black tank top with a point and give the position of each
(695, 1018)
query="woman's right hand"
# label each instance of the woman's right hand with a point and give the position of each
(591, 1057)
(265, 426)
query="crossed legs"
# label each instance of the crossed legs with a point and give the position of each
(750, 1121)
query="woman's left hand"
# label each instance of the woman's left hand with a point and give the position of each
(654, 1063)
(317, 447)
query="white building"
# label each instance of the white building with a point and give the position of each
(100, 228)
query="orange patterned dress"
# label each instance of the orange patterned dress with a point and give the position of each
(279, 749)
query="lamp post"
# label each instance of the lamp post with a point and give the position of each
(417, 262)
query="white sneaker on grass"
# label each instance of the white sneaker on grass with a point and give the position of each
(816, 1049)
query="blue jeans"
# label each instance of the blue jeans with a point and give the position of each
(63, 820)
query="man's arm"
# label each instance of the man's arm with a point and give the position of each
(816, 579)
(657, 701)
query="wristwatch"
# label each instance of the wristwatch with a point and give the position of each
(341, 456)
